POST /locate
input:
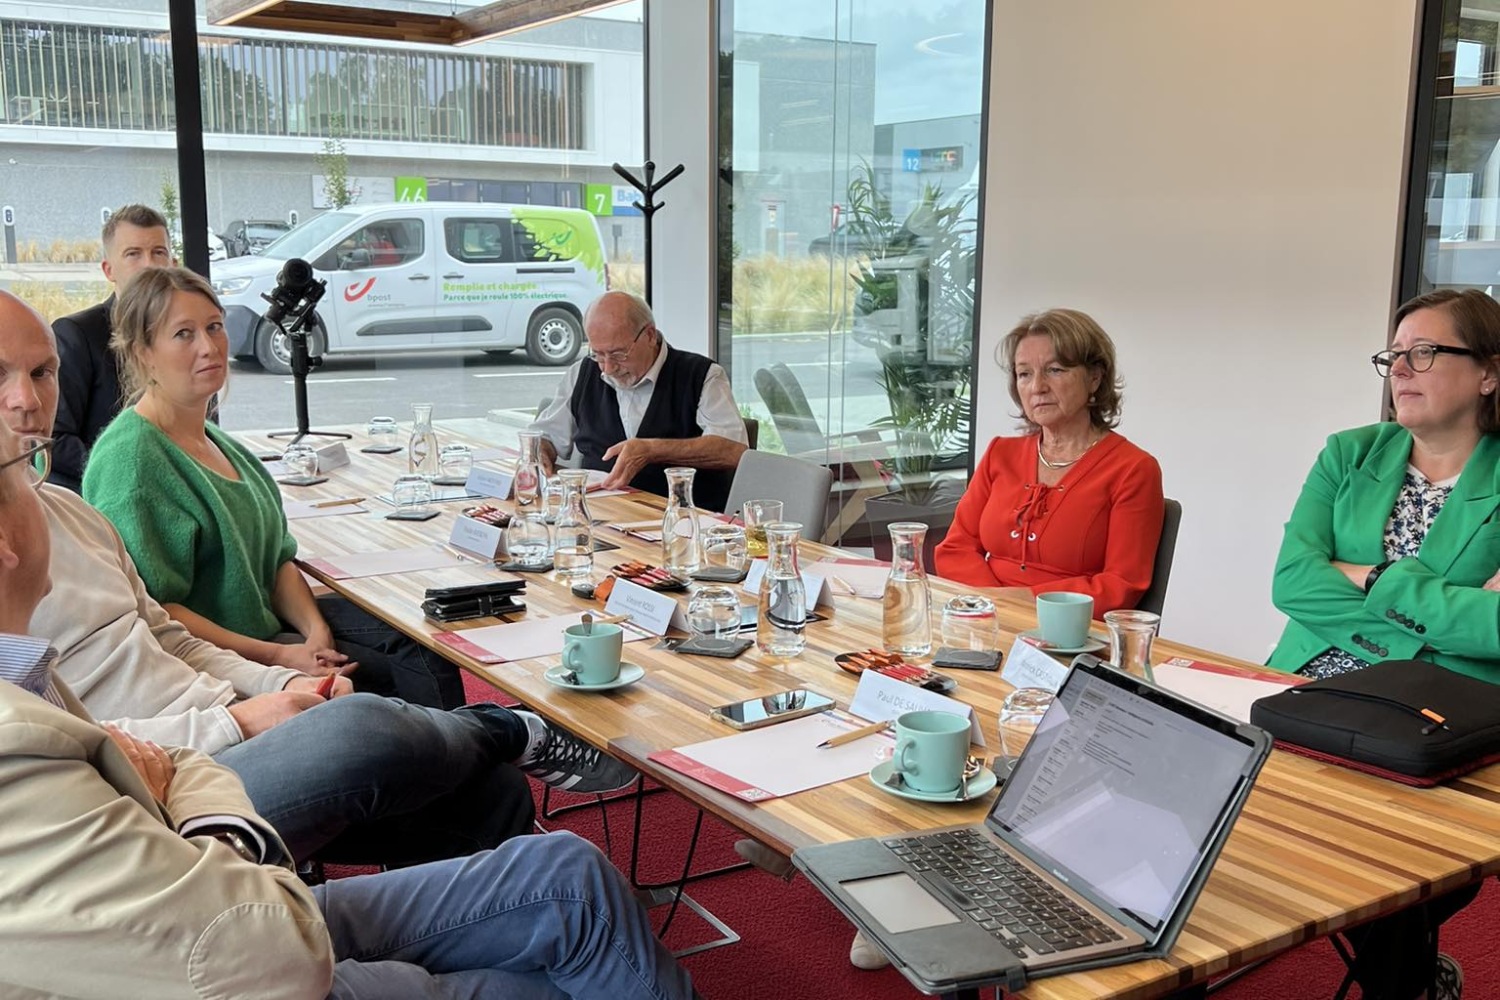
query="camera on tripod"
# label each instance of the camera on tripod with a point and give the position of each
(296, 293)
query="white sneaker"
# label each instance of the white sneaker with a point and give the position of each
(864, 955)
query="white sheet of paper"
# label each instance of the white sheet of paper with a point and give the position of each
(880, 697)
(784, 758)
(522, 640)
(360, 564)
(296, 510)
(1029, 667)
(1224, 693)
(491, 454)
(650, 609)
(490, 482)
(866, 579)
(815, 588)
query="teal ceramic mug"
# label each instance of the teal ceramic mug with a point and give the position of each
(1063, 618)
(593, 652)
(931, 750)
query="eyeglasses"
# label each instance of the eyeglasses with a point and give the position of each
(620, 355)
(36, 453)
(1419, 358)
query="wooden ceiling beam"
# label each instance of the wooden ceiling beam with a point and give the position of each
(325, 18)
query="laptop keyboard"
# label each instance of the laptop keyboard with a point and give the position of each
(1031, 917)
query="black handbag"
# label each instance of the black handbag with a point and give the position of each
(1407, 720)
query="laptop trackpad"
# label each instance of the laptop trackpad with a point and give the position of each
(899, 903)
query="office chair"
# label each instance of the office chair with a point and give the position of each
(1161, 571)
(802, 488)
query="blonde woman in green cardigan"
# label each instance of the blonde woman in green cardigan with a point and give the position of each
(202, 519)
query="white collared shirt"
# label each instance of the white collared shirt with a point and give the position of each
(717, 412)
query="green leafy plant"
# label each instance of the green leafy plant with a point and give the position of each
(173, 215)
(925, 345)
(334, 162)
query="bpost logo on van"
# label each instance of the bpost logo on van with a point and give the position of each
(360, 290)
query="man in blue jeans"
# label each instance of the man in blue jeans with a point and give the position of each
(130, 870)
(355, 778)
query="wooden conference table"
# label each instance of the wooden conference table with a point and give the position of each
(1318, 847)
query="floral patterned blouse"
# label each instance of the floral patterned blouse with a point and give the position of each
(1417, 506)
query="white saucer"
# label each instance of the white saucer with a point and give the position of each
(629, 674)
(1090, 645)
(982, 782)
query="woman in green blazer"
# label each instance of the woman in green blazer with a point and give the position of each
(1392, 552)
(1393, 547)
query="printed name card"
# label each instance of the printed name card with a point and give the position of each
(880, 697)
(484, 540)
(332, 456)
(653, 611)
(1029, 667)
(490, 482)
(814, 586)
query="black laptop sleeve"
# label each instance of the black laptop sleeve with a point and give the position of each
(1407, 720)
(452, 604)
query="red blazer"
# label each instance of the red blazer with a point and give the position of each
(1094, 532)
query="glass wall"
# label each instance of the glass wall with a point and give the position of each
(349, 146)
(1458, 215)
(849, 150)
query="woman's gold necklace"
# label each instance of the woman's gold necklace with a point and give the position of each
(1063, 465)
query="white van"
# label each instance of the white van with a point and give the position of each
(427, 276)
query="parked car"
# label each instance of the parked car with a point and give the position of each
(429, 276)
(244, 236)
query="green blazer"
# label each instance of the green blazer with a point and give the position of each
(1431, 607)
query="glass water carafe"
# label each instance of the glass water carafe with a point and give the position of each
(680, 545)
(529, 474)
(573, 532)
(422, 449)
(783, 600)
(906, 618)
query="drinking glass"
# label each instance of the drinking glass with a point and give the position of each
(573, 562)
(714, 613)
(969, 622)
(412, 493)
(528, 539)
(756, 514)
(455, 462)
(724, 547)
(1130, 637)
(384, 434)
(301, 461)
(552, 497)
(1020, 715)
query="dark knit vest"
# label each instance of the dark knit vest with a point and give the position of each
(672, 413)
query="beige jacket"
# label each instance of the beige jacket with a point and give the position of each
(99, 895)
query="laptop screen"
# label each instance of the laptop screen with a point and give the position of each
(1122, 793)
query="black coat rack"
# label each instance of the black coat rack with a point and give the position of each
(648, 205)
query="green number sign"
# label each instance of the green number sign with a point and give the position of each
(599, 199)
(411, 189)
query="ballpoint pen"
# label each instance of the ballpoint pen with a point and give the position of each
(337, 502)
(853, 734)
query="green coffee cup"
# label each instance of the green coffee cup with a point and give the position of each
(1063, 618)
(931, 750)
(593, 652)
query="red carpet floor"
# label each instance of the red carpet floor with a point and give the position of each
(794, 944)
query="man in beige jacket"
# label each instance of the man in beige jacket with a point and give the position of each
(131, 870)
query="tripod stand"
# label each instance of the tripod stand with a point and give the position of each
(302, 364)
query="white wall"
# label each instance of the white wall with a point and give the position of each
(1219, 184)
(682, 74)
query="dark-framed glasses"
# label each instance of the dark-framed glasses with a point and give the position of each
(1419, 358)
(36, 456)
(620, 355)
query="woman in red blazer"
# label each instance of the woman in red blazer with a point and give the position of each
(1071, 505)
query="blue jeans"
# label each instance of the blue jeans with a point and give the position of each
(390, 663)
(538, 918)
(370, 780)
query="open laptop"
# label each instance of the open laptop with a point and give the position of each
(1093, 853)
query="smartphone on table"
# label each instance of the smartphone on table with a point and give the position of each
(779, 707)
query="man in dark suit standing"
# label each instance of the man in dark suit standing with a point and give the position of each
(135, 238)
